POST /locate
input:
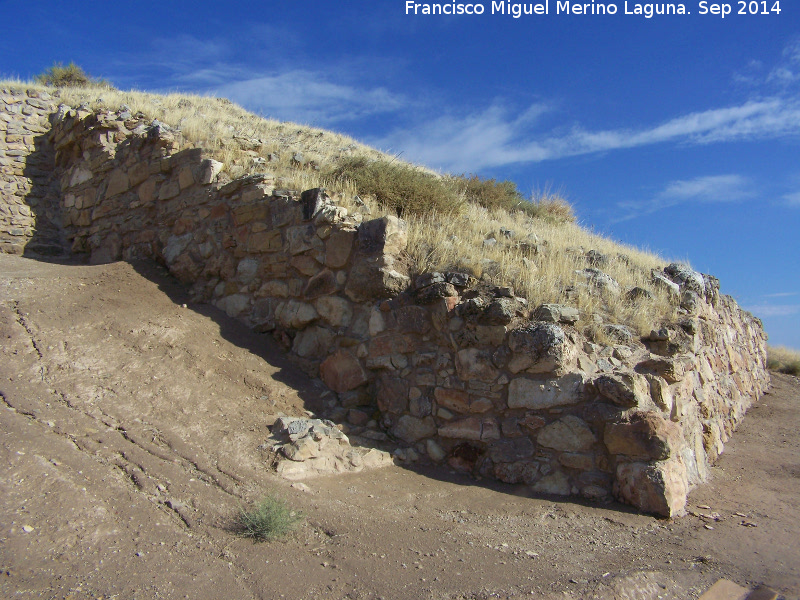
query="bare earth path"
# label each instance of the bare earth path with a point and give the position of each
(129, 434)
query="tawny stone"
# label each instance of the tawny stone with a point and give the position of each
(342, 372)
(568, 434)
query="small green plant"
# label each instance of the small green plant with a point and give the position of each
(70, 76)
(783, 360)
(269, 519)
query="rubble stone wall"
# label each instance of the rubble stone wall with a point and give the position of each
(455, 370)
(29, 218)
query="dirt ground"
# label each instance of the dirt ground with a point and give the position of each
(129, 435)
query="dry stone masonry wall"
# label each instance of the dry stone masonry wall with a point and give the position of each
(454, 370)
(29, 217)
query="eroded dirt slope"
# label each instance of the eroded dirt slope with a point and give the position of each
(129, 434)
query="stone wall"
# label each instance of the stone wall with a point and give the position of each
(29, 200)
(453, 369)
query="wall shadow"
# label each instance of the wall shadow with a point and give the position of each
(44, 201)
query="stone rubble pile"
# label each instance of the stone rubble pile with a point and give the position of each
(303, 448)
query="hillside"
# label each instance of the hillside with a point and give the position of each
(534, 247)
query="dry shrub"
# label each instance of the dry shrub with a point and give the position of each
(70, 76)
(783, 360)
(400, 187)
(550, 207)
(490, 193)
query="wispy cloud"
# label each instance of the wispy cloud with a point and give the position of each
(782, 295)
(496, 136)
(289, 87)
(783, 74)
(775, 310)
(310, 97)
(788, 70)
(792, 200)
(715, 188)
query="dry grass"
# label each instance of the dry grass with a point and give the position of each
(783, 360)
(540, 261)
(244, 142)
(443, 235)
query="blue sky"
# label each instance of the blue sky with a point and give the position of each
(678, 133)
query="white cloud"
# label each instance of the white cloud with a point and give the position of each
(714, 188)
(775, 310)
(468, 143)
(309, 97)
(787, 71)
(495, 137)
(781, 295)
(717, 188)
(792, 200)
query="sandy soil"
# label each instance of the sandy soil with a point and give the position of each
(129, 434)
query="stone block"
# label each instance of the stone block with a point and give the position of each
(659, 488)
(541, 348)
(242, 215)
(435, 451)
(321, 284)
(454, 400)
(342, 372)
(473, 363)
(234, 305)
(413, 319)
(338, 248)
(186, 177)
(208, 171)
(624, 388)
(558, 313)
(175, 247)
(313, 342)
(374, 278)
(273, 289)
(660, 393)
(389, 344)
(568, 434)
(118, 182)
(295, 315)
(490, 335)
(335, 311)
(147, 191)
(264, 241)
(670, 369)
(169, 190)
(539, 395)
(470, 428)
(392, 394)
(412, 429)
(580, 462)
(387, 235)
(726, 590)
